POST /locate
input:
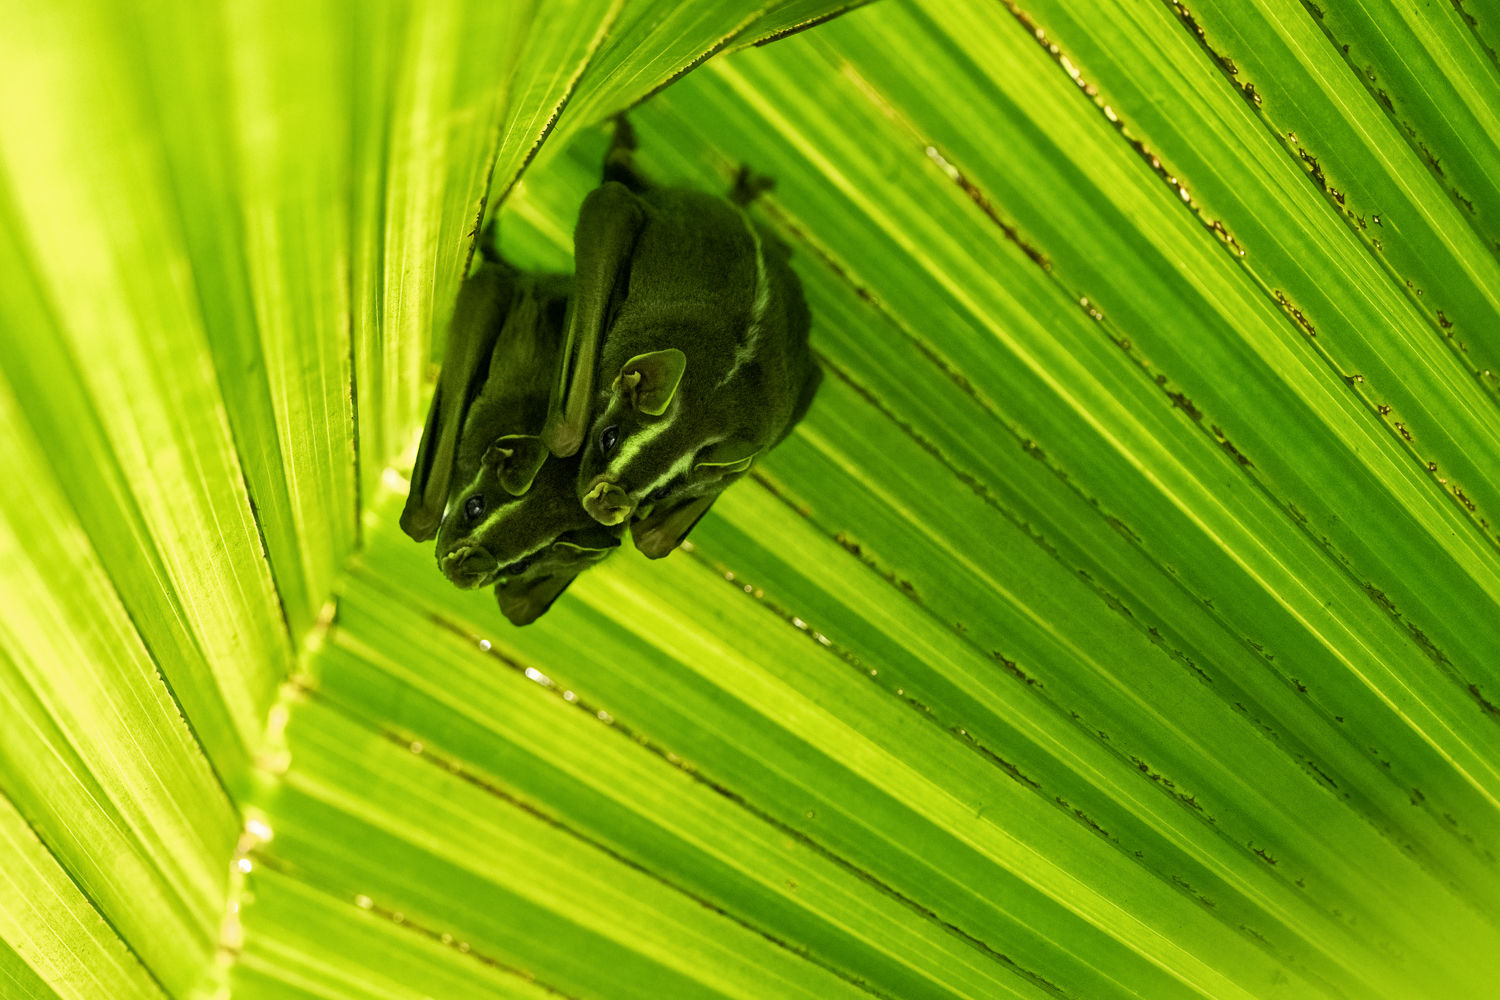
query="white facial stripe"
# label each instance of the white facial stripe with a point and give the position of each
(498, 516)
(631, 446)
(678, 468)
(747, 348)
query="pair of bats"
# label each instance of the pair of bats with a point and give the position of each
(628, 396)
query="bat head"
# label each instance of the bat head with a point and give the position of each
(646, 453)
(527, 589)
(510, 517)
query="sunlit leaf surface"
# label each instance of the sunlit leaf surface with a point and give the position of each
(1119, 623)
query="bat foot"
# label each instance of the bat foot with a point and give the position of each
(624, 137)
(619, 161)
(748, 185)
(489, 241)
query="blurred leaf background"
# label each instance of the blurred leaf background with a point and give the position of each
(1123, 621)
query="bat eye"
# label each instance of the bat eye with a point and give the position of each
(664, 492)
(609, 438)
(474, 506)
(516, 568)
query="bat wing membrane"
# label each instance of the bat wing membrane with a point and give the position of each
(478, 315)
(608, 224)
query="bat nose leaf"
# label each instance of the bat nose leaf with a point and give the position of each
(469, 566)
(607, 503)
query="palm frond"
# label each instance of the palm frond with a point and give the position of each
(1119, 622)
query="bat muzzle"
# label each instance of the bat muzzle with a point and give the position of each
(469, 567)
(607, 503)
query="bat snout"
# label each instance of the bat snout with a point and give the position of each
(607, 503)
(468, 567)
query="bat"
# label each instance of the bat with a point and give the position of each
(513, 517)
(527, 587)
(506, 512)
(687, 346)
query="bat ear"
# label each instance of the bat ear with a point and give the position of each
(726, 457)
(651, 380)
(516, 459)
(588, 544)
(663, 531)
(522, 604)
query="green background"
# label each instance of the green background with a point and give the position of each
(1122, 621)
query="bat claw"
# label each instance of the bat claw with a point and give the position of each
(562, 441)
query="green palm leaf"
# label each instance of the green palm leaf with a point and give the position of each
(1121, 621)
